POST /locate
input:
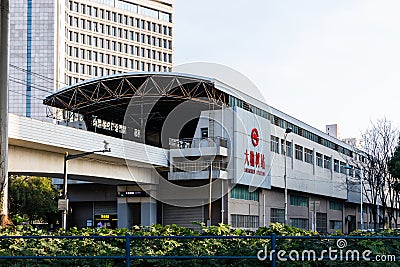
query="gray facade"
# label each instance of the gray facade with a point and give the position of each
(58, 43)
(32, 36)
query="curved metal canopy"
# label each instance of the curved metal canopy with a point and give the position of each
(108, 97)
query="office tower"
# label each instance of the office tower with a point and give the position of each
(54, 44)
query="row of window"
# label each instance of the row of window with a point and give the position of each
(307, 155)
(243, 192)
(120, 33)
(117, 17)
(245, 221)
(233, 101)
(278, 215)
(304, 202)
(105, 58)
(99, 71)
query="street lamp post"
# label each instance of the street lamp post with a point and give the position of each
(64, 200)
(210, 195)
(361, 195)
(288, 130)
(361, 200)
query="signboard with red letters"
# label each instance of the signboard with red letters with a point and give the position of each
(251, 149)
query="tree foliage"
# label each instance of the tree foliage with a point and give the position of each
(146, 241)
(379, 142)
(394, 163)
(34, 198)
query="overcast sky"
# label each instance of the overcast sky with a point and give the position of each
(321, 61)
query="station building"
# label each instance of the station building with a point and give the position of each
(209, 131)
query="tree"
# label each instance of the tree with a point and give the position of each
(394, 170)
(379, 142)
(34, 198)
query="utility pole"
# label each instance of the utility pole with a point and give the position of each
(4, 57)
(287, 131)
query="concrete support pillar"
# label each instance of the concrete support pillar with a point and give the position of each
(148, 213)
(124, 215)
(4, 58)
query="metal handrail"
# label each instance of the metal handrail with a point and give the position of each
(199, 166)
(129, 240)
(216, 141)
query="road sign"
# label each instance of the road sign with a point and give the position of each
(63, 204)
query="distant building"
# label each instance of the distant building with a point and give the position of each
(355, 142)
(59, 43)
(333, 130)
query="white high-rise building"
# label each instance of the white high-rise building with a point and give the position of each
(58, 43)
(333, 130)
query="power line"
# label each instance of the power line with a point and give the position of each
(33, 73)
(35, 62)
(35, 86)
(20, 93)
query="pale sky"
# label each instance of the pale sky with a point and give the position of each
(320, 61)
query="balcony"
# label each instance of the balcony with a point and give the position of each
(212, 146)
(198, 170)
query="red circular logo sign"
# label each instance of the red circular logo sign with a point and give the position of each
(255, 139)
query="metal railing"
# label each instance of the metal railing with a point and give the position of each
(198, 142)
(259, 256)
(199, 166)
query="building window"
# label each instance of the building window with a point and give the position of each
(242, 192)
(82, 40)
(245, 221)
(298, 201)
(308, 156)
(289, 149)
(321, 222)
(327, 162)
(204, 132)
(278, 215)
(274, 144)
(298, 152)
(352, 171)
(333, 205)
(319, 159)
(336, 165)
(299, 223)
(335, 225)
(342, 167)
